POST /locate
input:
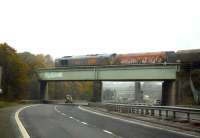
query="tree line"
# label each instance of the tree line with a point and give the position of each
(19, 78)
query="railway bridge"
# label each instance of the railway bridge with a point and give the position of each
(151, 72)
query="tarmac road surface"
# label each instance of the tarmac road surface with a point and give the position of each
(66, 121)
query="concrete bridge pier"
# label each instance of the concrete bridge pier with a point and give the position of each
(97, 90)
(138, 92)
(169, 92)
(44, 95)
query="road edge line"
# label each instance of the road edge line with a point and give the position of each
(129, 121)
(22, 130)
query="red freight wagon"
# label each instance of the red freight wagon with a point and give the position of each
(141, 58)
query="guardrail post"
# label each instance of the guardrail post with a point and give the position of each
(188, 117)
(174, 115)
(117, 108)
(152, 112)
(166, 114)
(130, 109)
(137, 111)
(147, 112)
(133, 110)
(160, 113)
(142, 111)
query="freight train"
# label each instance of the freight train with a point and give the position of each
(181, 56)
(190, 59)
(97, 59)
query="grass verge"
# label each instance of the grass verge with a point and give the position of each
(7, 104)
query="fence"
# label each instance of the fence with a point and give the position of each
(160, 111)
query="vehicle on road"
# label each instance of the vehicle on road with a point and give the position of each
(68, 99)
(157, 102)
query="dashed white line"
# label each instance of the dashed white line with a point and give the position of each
(63, 113)
(106, 131)
(76, 120)
(111, 133)
(84, 123)
(55, 107)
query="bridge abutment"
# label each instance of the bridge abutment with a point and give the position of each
(185, 96)
(97, 90)
(179, 91)
(44, 96)
(169, 92)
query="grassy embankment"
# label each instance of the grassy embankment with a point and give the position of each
(7, 104)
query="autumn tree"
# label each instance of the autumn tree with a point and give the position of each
(14, 79)
(34, 62)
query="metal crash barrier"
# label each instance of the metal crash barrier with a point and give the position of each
(167, 112)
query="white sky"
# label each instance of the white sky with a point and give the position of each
(78, 27)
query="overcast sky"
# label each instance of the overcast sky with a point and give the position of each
(78, 27)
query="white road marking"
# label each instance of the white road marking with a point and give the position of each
(137, 123)
(63, 113)
(71, 117)
(55, 108)
(84, 123)
(76, 119)
(23, 131)
(106, 131)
